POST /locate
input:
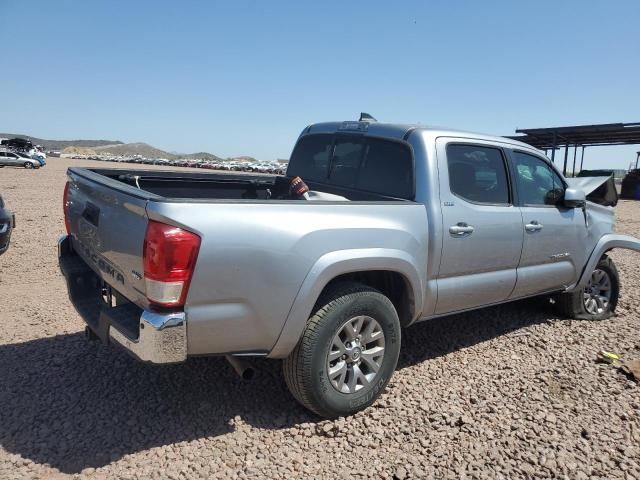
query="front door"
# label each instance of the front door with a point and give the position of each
(482, 229)
(554, 235)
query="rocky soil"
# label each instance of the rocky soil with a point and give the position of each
(505, 392)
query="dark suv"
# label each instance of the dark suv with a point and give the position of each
(7, 224)
(631, 185)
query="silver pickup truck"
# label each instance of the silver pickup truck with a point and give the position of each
(400, 224)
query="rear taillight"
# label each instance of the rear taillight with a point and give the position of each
(170, 255)
(65, 207)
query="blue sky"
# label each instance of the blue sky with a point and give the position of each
(244, 77)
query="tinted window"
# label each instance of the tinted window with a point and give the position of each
(478, 174)
(310, 158)
(387, 168)
(537, 183)
(347, 155)
(368, 164)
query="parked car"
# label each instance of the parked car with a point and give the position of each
(15, 159)
(7, 224)
(37, 158)
(401, 224)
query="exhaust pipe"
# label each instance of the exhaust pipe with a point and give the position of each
(241, 367)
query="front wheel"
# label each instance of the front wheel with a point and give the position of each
(348, 351)
(598, 299)
(28, 165)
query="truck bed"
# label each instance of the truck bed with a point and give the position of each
(175, 185)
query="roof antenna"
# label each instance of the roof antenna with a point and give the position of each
(365, 117)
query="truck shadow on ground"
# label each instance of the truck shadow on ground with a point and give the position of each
(73, 404)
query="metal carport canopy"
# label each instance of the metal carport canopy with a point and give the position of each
(579, 136)
(584, 135)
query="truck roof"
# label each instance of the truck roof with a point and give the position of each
(400, 130)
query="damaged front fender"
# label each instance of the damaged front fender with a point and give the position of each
(600, 190)
(606, 243)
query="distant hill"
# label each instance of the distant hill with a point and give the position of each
(60, 145)
(116, 147)
(204, 156)
(142, 149)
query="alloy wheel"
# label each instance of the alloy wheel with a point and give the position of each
(356, 354)
(597, 293)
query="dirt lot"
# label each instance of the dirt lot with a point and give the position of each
(506, 392)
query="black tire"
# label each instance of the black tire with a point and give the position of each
(573, 304)
(28, 165)
(306, 368)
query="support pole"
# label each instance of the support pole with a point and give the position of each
(566, 155)
(575, 151)
(553, 149)
(637, 159)
(582, 159)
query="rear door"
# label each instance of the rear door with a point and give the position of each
(482, 228)
(554, 236)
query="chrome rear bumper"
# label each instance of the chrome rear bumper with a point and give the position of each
(149, 336)
(162, 338)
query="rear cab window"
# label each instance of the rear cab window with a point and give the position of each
(363, 163)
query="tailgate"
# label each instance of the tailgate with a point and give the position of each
(107, 227)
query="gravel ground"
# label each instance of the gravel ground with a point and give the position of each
(505, 392)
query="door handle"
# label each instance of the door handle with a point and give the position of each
(461, 229)
(533, 226)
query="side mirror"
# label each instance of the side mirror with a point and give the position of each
(574, 198)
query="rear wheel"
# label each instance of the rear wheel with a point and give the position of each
(347, 353)
(598, 299)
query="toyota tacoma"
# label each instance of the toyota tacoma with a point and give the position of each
(374, 227)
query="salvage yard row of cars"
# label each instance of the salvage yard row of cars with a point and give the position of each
(276, 168)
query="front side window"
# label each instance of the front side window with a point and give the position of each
(537, 183)
(478, 174)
